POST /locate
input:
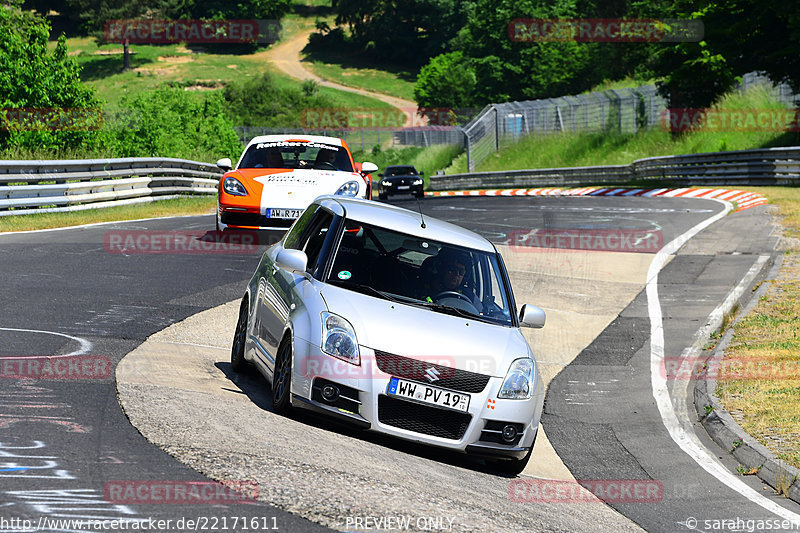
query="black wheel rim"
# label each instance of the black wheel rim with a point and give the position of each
(281, 377)
(238, 340)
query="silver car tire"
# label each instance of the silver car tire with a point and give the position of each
(282, 379)
(238, 363)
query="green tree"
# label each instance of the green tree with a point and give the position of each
(43, 7)
(741, 36)
(505, 69)
(98, 13)
(224, 9)
(448, 80)
(407, 32)
(259, 102)
(171, 122)
(59, 110)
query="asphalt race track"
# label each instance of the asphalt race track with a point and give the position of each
(67, 444)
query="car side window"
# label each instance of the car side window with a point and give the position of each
(294, 239)
(308, 234)
(318, 230)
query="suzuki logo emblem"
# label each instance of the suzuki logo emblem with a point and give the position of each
(432, 374)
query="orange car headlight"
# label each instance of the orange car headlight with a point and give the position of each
(234, 187)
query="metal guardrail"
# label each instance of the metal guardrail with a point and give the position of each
(769, 166)
(70, 185)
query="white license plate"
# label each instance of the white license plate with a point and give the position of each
(402, 187)
(427, 394)
(284, 213)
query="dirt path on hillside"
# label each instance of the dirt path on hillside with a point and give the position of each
(288, 58)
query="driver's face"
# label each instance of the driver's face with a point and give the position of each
(453, 276)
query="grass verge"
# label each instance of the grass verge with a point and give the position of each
(764, 393)
(189, 205)
(589, 149)
(399, 83)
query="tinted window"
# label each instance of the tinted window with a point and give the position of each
(422, 272)
(400, 171)
(317, 232)
(291, 155)
(294, 239)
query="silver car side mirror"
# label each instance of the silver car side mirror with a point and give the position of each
(225, 163)
(292, 260)
(531, 316)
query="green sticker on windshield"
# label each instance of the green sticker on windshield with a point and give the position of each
(344, 274)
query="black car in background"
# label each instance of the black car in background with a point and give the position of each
(400, 179)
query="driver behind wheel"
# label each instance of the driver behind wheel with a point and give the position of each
(326, 159)
(449, 275)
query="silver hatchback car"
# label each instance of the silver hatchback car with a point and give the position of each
(398, 323)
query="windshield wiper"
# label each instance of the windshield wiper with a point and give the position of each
(454, 311)
(364, 289)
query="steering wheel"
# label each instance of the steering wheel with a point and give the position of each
(453, 293)
(326, 165)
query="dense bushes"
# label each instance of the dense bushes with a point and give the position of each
(42, 100)
(170, 123)
(260, 102)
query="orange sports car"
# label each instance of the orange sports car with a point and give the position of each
(278, 176)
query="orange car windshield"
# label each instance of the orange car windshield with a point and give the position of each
(295, 155)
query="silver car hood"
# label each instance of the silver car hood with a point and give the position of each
(418, 333)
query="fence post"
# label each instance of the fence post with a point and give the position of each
(496, 129)
(470, 167)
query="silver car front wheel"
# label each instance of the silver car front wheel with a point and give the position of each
(282, 379)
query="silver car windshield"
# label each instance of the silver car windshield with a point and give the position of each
(439, 276)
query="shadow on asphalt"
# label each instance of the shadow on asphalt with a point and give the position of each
(255, 387)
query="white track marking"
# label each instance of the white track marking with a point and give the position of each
(86, 346)
(682, 435)
(93, 224)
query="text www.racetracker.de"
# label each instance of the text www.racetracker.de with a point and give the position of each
(199, 523)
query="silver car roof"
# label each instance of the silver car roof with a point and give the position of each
(408, 222)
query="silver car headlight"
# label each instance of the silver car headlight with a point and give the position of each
(348, 189)
(339, 338)
(234, 187)
(518, 382)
